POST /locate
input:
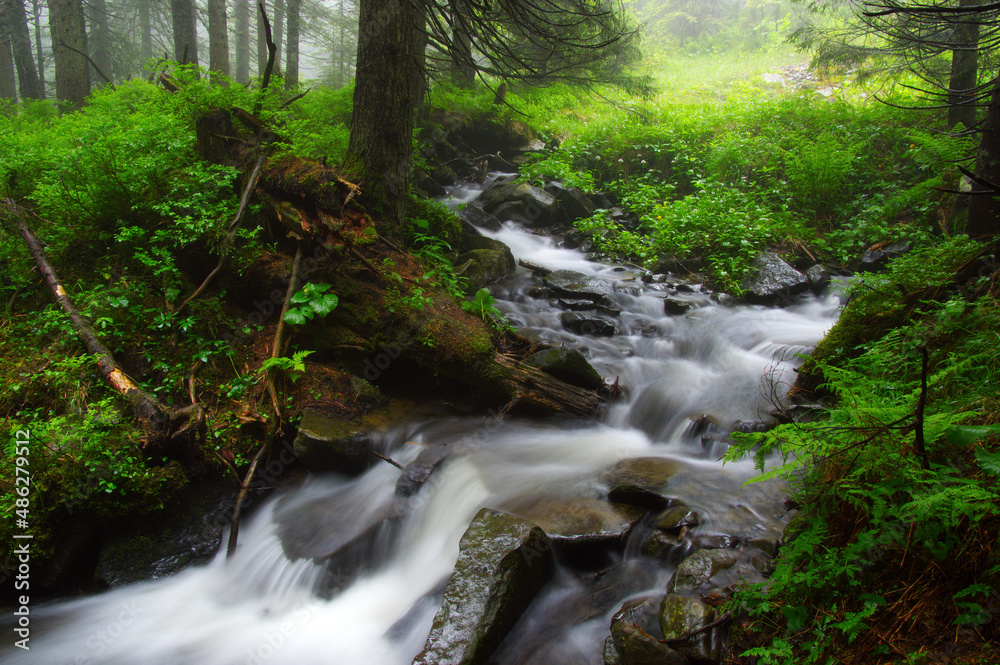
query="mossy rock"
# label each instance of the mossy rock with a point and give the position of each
(636, 634)
(569, 365)
(682, 615)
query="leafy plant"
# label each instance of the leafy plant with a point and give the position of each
(310, 301)
(291, 367)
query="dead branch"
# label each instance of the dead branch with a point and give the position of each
(534, 267)
(92, 63)
(271, 49)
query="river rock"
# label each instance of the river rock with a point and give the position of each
(539, 206)
(478, 218)
(503, 562)
(587, 325)
(878, 257)
(611, 655)
(573, 202)
(576, 285)
(471, 242)
(635, 631)
(642, 481)
(676, 517)
(568, 365)
(582, 521)
(325, 444)
(715, 569)
(682, 615)
(773, 281)
(419, 470)
(483, 266)
(676, 307)
(819, 277)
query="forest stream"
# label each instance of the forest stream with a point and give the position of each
(687, 381)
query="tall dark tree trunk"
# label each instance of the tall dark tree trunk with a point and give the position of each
(292, 45)
(964, 70)
(68, 30)
(984, 209)
(16, 20)
(261, 40)
(277, 33)
(241, 15)
(218, 37)
(420, 58)
(146, 32)
(185, 31)
(100, 38)
(36, 9)
(379, 149)
(8, 82)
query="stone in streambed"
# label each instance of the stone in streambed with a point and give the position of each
(568, 365)
(715, 569)
(483, 266)
(682, 615)
(773, 281)
(576, 285)
(503, 562)
(587, 325)
(642, 481)
(582, 521)
(325, 444)
(635, 631)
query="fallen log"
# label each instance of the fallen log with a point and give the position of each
(154, 417)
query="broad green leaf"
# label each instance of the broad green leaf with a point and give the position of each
(989, 462)
(297, 316)
(966, 435)
(300, 297)
(323, 305)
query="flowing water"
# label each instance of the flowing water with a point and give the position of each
(688, 380)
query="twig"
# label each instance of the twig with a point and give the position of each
(296, 98)
(92, 63)
(388, 459)
(244, 488)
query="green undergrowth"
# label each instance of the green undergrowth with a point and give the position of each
(894, 555)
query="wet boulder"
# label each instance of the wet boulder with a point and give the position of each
(715, 569)
(416, 473)
(642, 481)
(819, 277)
(503, 562)
(587, 325)
(483, 266)
(574, 203)
(773, 281)
(581, 522)
(636, 634)
(538, 206)
(680, 616)
(878, 256)
(474, 216)
(578, 286)
(568, 365)
(325, 444)
(676, 517)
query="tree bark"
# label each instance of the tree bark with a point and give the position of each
(964, 71)
(100, 37)
(38, 47)
(379, 148)
(185, 31)
(218, 37)
(241, 15)
(8, 82)
(292, 45)
(72, 75)
(29, 84)
(984, 204)
(145, 33)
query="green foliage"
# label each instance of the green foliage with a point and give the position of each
(484, 306)
(318, 125)
(310, 301)
(291, 367)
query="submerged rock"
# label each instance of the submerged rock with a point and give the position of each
(567, 364)
(642, 481)
(576, 285)
(773, 281)
(503, 562)
(326, 444)
(539, 207)
(587, 325)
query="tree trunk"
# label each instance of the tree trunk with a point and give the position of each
(420, 56)
(964, 71)
(185, 31)
(277, 33)
(984, 208)
(262, 51)
(146, 33)
(292, 45)
(241, 14)
(100, 38)
(8, 83)
(38, 47)
(218, 37)
(20, 43)
(67, 26)
(379, 148)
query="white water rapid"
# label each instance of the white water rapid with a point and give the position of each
(713, 367)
